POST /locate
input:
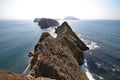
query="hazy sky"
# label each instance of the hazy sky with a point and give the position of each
(83, 9)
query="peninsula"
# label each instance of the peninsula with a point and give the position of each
(54, 58)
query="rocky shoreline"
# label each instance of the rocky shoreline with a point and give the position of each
(54, 58)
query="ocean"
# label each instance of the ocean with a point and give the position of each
(18, 38)
(103, 39)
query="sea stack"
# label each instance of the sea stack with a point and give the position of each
(59, 58)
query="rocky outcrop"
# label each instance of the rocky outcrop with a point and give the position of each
(73, 42)
(59, 58)
(46, 22)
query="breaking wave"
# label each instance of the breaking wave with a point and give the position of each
(50, 30)
(26, 69)
(91, 44)
(85, 69)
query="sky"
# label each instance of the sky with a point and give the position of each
(83, 9)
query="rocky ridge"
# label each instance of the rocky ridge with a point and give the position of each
(59, 58)
(54, 58)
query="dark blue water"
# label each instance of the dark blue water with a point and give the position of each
(103, 62)
(17, 39)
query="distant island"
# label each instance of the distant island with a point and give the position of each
(71, 18)
(46, 22)
(36, 20)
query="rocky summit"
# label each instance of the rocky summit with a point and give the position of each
(59, 58)
(54, 58)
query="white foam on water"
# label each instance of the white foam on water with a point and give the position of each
(98, 64)
(91, 44)
(89, 75)
(84, 67)
(50, 30)
(101, 78)
(26, 69)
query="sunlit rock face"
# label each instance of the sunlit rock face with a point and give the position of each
(59, 58)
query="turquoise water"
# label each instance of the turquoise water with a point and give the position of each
(18, 37)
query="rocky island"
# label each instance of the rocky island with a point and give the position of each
(71, 18)
(36, 20)
(54, 58)
(46, 22)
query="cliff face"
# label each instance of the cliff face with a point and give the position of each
(59, 58)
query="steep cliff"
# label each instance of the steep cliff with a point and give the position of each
(59, 58)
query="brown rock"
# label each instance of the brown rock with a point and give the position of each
(59, 58)
(30, 54)
(6, 75)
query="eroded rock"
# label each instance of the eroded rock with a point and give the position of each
(59, 58)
